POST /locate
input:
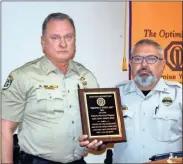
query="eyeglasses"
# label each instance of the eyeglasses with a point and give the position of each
(151, 59)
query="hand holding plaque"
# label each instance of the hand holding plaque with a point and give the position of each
(101, 114)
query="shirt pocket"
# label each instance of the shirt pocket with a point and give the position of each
(165, 125)
(52, 101)
(129, 123)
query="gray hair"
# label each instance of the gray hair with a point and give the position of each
(148, 42)
(56, 16)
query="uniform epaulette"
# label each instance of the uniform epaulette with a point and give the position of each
(32, 62)
(78, 64)
(28, 64)
(123, 83)
(173, 83)
(78, 67)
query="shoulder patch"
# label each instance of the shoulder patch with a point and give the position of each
(8, 82)
(123, 83)
(173, 83)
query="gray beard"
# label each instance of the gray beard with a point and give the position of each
(145, 81)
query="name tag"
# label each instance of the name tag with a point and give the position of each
(48, 86)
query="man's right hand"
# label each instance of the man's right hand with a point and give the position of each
(94, 145)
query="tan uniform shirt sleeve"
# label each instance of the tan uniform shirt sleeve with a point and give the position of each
(13, 98)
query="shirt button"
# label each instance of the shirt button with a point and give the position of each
(73, 138)
(143, 146)
(72, 122)
(50, 97)
(143, 130)
(70, 106)
(68, 91)
(144, 113)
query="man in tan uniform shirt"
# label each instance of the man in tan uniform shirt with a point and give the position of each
(41, 97)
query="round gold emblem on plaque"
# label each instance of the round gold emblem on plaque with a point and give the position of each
(101, 101)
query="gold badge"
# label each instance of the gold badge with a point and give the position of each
(84, 82)
(8, 82)
(124, 108)
(167, 101)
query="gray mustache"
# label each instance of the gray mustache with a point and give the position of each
(144, 69)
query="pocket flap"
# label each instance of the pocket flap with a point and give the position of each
(167, 115)
(128, 113)
(43, 94)
(57, 94)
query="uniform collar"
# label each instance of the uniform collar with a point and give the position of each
(50, 67)
(72, 67)
(161, 86)
(130, 87)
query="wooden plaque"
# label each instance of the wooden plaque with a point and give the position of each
(101, 114)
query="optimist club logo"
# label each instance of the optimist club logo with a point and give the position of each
(173, 54)
(101, 101)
